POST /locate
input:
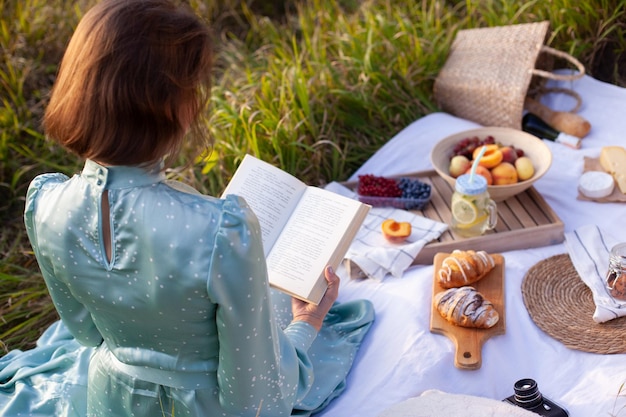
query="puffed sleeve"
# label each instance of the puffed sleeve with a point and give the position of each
(260, 366)
(73, 313)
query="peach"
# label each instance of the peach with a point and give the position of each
(491, 157)
(509, 154)
(504, 174)
(481, 170)
(524, 167)
(396, 232)
(458, 165)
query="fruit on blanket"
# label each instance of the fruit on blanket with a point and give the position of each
(396, 232)
(503, 174)
(492, 157)
(459, 164)
(524, 167)
(481, 170)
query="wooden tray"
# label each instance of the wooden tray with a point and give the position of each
(524, 221)
(469, 341)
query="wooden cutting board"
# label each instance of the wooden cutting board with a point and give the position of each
(469, 341)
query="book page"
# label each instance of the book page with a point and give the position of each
(270, 192)
(310, 239)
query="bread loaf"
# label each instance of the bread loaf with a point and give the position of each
(464, 267)
(466, 307)
(613, 160)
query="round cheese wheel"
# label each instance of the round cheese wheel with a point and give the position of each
(596, 184)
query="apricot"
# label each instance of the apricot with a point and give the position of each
(504, 174)
(492, 157)
(524, 167)
(396, 232)
(478, 149)
(481, 170)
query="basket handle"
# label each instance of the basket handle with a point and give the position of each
(560, 77)
(567, 91)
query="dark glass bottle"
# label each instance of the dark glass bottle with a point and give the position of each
(534, 125)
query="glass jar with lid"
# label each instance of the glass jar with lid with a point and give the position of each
(473, 211)
(616, 276)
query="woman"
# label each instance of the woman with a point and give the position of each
(167, 287)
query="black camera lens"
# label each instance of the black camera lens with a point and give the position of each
(527, 394)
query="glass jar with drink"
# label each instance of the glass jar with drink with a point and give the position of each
(473, 211)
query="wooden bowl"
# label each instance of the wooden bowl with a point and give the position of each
(533, 147)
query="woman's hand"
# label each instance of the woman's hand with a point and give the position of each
(314, 314)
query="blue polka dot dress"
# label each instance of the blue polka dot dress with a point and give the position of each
(177, 319)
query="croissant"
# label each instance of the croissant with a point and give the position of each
(466, 307)
(464, 267)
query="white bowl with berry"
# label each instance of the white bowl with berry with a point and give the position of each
(513, 160)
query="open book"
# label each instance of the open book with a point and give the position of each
(305, 228)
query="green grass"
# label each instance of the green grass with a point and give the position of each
(315, 87)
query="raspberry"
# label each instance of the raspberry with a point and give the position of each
(372, 185)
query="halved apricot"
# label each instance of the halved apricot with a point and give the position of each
(396, 232)
(492, 156)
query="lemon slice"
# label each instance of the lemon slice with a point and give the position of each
(464, 211)
(474, 223)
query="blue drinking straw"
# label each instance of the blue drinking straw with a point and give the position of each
(475, 164)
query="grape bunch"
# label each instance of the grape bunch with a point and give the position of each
(467, 145)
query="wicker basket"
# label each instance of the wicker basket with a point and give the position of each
(490, 71)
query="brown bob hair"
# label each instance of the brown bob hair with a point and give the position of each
(135, 77)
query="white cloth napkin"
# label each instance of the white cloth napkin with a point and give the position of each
(371, 255)
(589, 248)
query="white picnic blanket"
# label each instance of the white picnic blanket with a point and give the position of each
(401, 359)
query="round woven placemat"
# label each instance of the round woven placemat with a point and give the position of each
(561, 305)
